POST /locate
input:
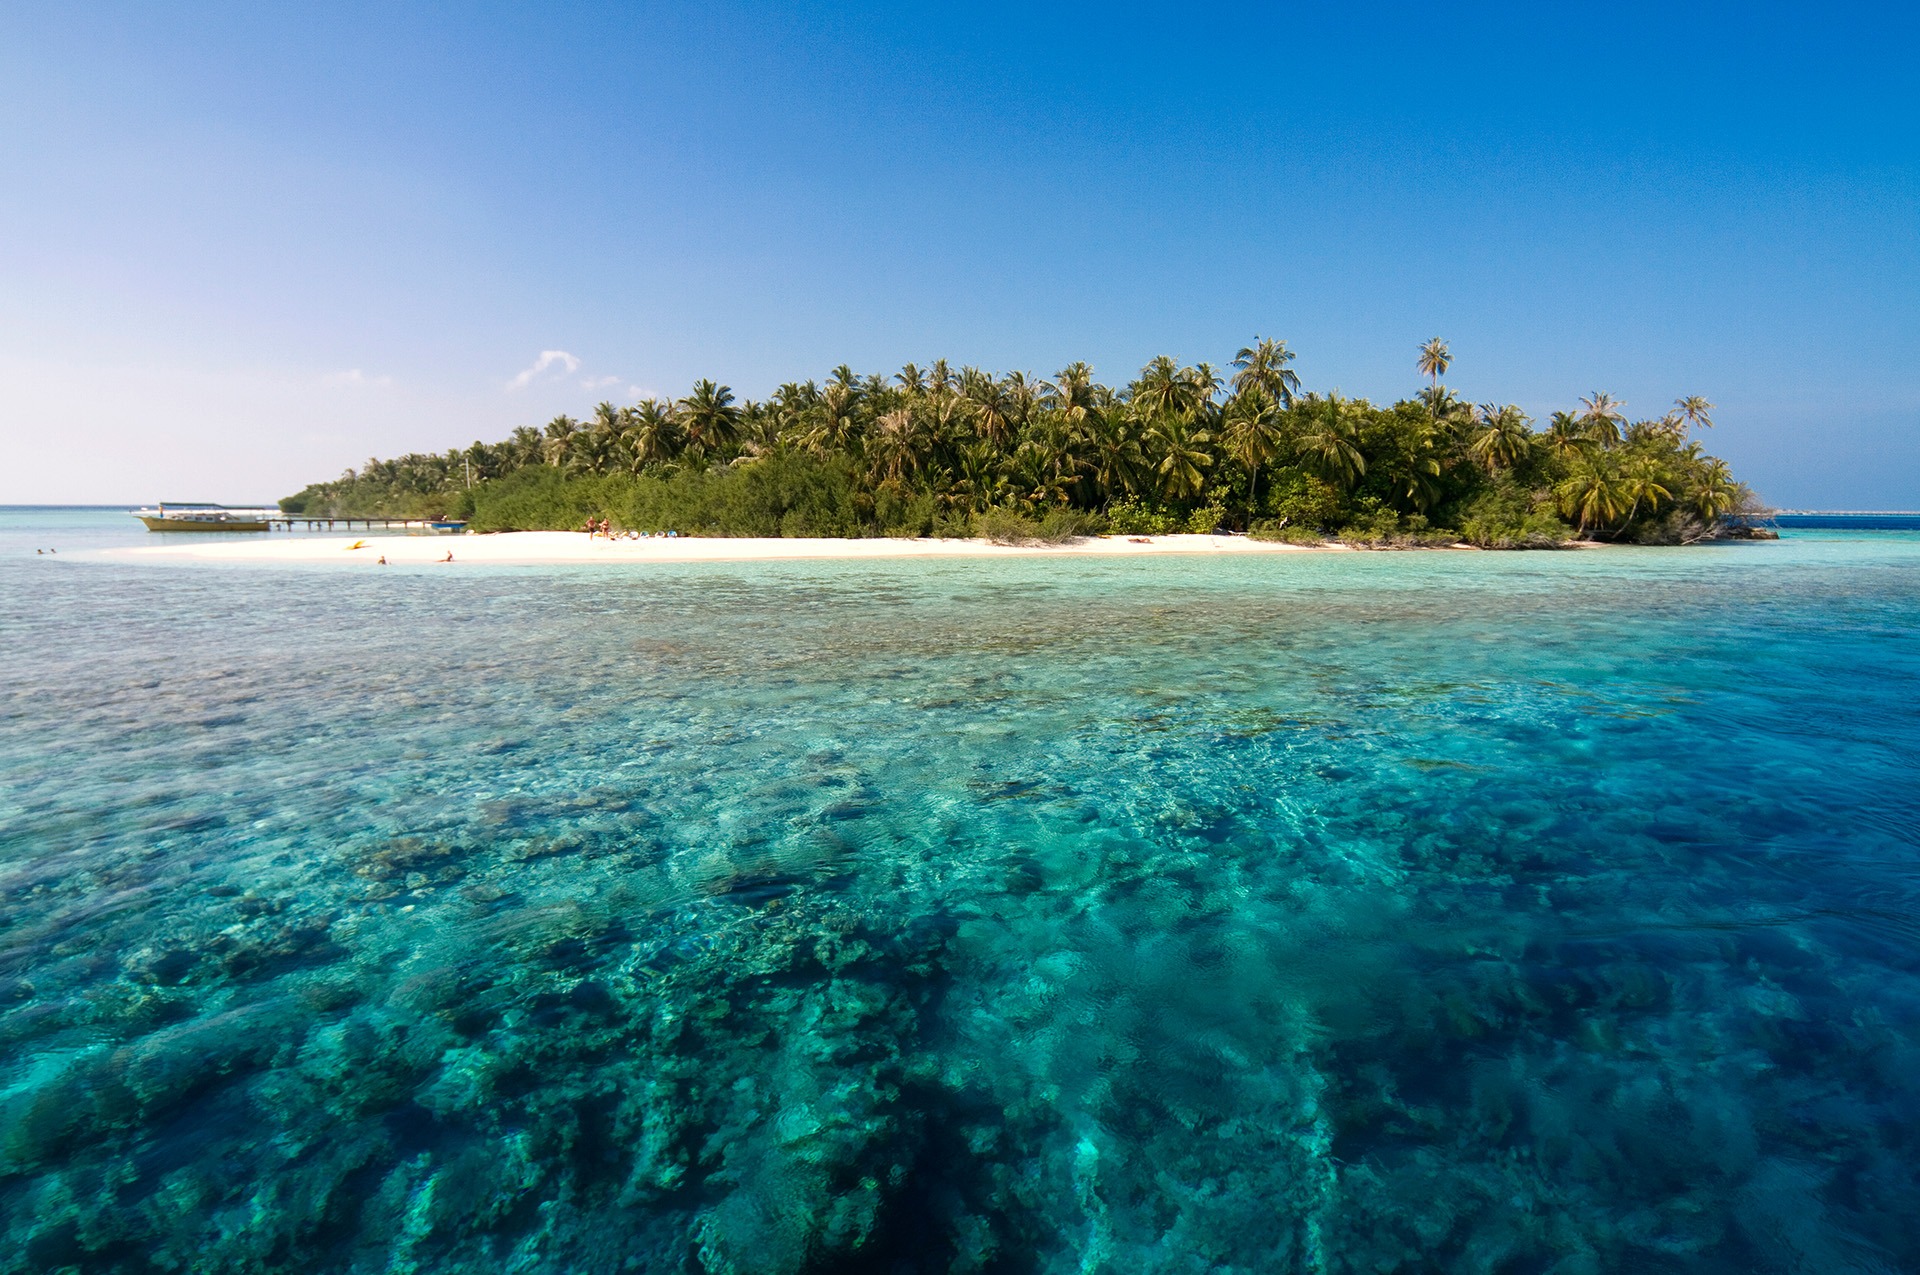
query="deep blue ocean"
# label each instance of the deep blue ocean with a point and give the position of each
(1370, 912)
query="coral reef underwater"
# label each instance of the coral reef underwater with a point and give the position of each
(1372, 914)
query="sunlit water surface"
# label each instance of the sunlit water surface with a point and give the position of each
(1360, 912)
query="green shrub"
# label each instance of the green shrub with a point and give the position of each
(783, 494)
(1275, 531)
(1061, 525)
(1297, 498)
(1374, 526)
(540, 498)
(1056, 526)
(1131, 518)
(1007, 527)
(1506, 516)
(1205, 520)
(904, 513)
(957, 525)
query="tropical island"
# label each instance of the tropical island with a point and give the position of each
(940, 452)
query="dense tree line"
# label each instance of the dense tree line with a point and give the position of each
(939, 450)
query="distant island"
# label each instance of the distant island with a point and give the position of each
(936, 451)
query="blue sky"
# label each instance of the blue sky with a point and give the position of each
(243, 247)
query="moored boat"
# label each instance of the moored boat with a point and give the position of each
(198, 516)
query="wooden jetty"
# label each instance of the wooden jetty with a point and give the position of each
(182, 515)
(288, 522)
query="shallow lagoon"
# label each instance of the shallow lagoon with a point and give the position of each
(1364, 912)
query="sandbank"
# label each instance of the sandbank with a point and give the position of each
(538, 548)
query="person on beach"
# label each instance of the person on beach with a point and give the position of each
(449, 557)
(381, 561)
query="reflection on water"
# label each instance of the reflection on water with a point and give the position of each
(1361, 913)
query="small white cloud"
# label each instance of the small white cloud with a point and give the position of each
(599, 382)
(354, 376)
(638, 391)
(546, 360)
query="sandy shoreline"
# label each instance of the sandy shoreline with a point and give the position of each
(535, 548)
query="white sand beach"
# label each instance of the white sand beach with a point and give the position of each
(530, 548)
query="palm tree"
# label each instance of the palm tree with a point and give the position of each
(1263, 365)
(1641, 480)
(1602, 418)
(592, 450)
(483, 461)
(759, 427)
(992, 406)
(978, 482)
(1252, 433)
(1058, 451)
(559, 440)
(1565, 437)
(1115, 453)
(1328, 447)
(1184, 459)
(526, 446)
(948, 420)
(1435, 359)
(830, 426)
(1421, 468)
(912, 379)
(895, 449)
(1161, 390)
(1591, 492)
(1504, 438)
(798, 397)
(652, 435)
(1714, 493)
(1447, 409)
(1695, 410)
(708, 417)
(1023, 396)
(791, 408)
(1203, 385)
(1072, 392)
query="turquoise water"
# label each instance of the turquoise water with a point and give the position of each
(1369, 912)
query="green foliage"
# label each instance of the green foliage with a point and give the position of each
(1131, 518)
(1070, 524)
(1298, 498)
(1056, 526)
(1205, 520)
(935, 452)
(784, 494)
(539, 499)
(902, 512)
(1507, 516)
(1372, 523)
(1287, 535)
